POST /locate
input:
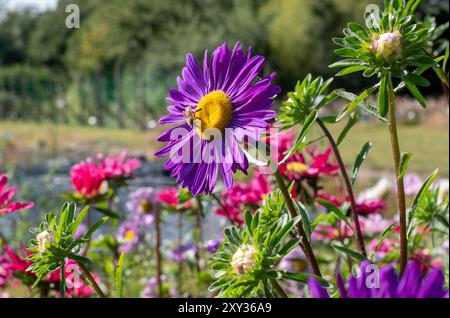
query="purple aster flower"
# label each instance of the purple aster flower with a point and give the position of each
(180, 254)
(295, 261)
(141, 204)
(386, 284)
(214, 108)
(128, 236)
(151, 288)
(212, 245)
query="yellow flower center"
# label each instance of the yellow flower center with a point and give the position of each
(296, 167)
(146, 206)
(213, 111)
(129, 235)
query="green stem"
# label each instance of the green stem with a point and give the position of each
(198, 231)
(158, 251)
(91, 279)
(348, 186)
(62, 283)
(304, 243)
(278, 288)
(400, 187)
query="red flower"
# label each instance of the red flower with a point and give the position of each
(87, 178)
(6, 206)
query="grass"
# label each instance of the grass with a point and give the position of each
(25, 142)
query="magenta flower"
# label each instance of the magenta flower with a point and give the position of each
(5, 270)
(224, 97)
(87, 178)
(388, 284)
(117, 166)
(6, 206)
(242, 196)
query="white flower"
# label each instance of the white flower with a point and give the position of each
(244, 259)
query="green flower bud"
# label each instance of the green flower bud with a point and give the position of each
(387, 46)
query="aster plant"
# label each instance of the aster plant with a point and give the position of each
(54, 244)
(391, 47)
(246, 264)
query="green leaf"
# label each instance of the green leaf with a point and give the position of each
(334, 209)
(119, 275)
(349, 252)
(364, 105)
(303, 277)
(355, 103)
(404, 162)
(95, 227)
(419, 197)
(351, 69)
(305, 218)
(383, 236)
(415, 92)
(354, 117)
(359, 160)
(107, 212)
(383, 100)
(74, 226)
(301, 140)
(248, 220)
(417, 79)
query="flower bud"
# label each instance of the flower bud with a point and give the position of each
(42, 239)
(388, 46)
(243, 259)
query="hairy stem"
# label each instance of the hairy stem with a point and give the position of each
(278, 288)
(304, 243)
(91, 279)
(62, 283)
(400, 187)
(348, 186)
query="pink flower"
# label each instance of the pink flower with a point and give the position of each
(169, 197)
(6, 206)
(297, 166)
(362, 206)
(5, 270)
(338, 232)
(117, 166)
(242, 196)
(87, 178)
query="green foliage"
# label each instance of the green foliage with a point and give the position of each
(391, 44)
(264, 244)
(308, 96)
(55, 241)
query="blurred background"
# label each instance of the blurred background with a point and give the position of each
(69, 93)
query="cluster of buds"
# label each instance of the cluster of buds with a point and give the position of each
(387, 46)
(243, 259)
(43, 238)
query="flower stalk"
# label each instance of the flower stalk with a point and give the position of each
(401, 205)
(304, 243)
(158, 251)
(62, 283)
(348, 186)
(91, 279)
